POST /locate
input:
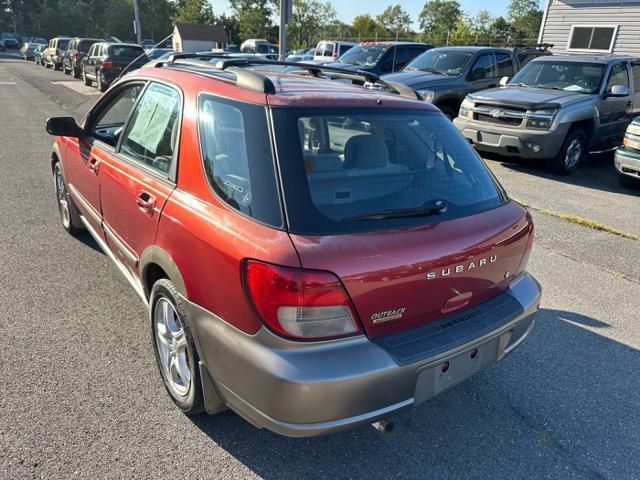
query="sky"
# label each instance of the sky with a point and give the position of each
(350, 8)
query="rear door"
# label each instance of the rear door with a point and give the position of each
(85, 155)
(140, 175)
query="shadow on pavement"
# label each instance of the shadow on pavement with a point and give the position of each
(564, 405)
(87, 239)
(597, 173)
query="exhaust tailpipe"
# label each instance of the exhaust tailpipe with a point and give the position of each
(383, 426)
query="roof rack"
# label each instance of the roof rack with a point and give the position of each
(537, 46)
(256, 81)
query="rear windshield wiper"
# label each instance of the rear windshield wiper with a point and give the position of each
(430, 208)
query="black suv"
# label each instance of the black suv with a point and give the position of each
(380, 58)
(445, 76)
(77, 48)
(106, 61)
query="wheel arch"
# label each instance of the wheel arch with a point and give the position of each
(156, 263)
(55, 155)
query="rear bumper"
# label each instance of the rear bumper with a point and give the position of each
(628, 163)
(305, 389)
(511, 141)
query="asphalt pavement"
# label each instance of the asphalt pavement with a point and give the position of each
(80, 395)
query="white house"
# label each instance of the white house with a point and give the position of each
(198, 38)
(592, 26)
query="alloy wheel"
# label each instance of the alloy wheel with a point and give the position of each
(574, 153)
(173, 351)
(63, 199)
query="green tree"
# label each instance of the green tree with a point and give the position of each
(231, 26)
(525, 16)
(438, 17)
(395, 21)
(255, 18)
(501, 31)
(194, 11)
(310, 18)
(364, 27)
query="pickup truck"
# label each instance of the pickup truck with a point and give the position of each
(556, 109)
(445, 75)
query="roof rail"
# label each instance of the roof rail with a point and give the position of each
(258, 82)
(319, 71)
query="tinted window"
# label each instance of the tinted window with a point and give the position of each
(618, 76)
(578, 77)
(152, 133)
(505, 64)
(483, 67)
(62, 44)
(122, 51)
(237, 157)
(349, 168)
(344, 48)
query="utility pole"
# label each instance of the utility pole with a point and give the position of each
(286, 12)
(136, 23)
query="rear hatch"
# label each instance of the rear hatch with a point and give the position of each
(401, 209)
(123, 56)
(404, 278)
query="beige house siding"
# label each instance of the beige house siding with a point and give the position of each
(560, 15)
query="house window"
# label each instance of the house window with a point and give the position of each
(592, 38)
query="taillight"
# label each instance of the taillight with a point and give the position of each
(76, 55)
(106, 64)
(300, 304)
(529, 247)
(335, 51)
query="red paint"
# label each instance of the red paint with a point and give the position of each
(208, 240)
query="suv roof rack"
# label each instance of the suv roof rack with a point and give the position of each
(253, 80)
(538, 46)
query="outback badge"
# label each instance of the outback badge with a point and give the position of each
(388, 315)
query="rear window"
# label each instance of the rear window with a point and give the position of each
(85, 45)
(62, 44)
(128, 51)
(362, 170)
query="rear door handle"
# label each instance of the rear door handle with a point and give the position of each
(94, 165)
(146, 202)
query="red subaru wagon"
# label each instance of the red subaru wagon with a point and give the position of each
(314, 254)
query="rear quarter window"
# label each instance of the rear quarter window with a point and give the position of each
(238, 158)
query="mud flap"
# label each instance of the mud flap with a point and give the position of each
(212, 401)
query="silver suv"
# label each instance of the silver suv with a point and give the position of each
(556, 109)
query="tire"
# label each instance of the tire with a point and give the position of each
(629, 182)
(174, 349)
(46, 65)
(57, 66)
(69, 215)
(86, 81)
(101, 86)
(65, 71)
(571, 154)
(76, 72)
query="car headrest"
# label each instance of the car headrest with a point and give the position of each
(366, 151)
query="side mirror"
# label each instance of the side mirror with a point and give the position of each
(63, 127)
(619, 91)
(504, 81)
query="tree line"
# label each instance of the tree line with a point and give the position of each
(440, 21)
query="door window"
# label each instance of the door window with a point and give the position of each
(505, 64)
(618, 76)
(402, 58)
(483, 68)
(111, 118)
(152, 133)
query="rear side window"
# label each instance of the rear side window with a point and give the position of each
(483, 68)
(505, 64)
(344, 48)
(350, 169)
(152, 133)
(237, 156)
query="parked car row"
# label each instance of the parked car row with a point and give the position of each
(92, 59)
